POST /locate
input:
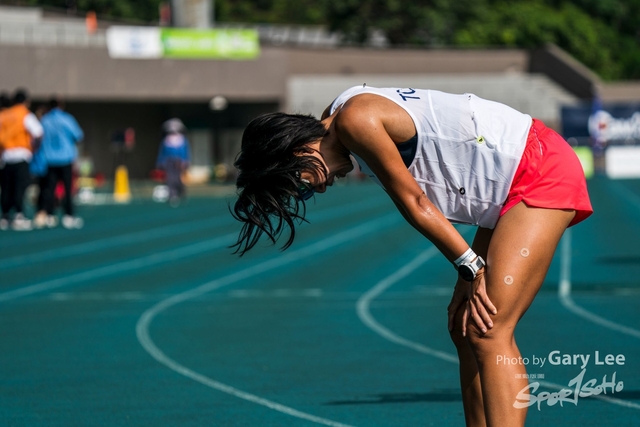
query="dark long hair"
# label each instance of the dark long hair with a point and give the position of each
(275, 150)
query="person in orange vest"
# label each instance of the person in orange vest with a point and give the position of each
(20, 131)
(5, 102)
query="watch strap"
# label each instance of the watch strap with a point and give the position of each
(472, 267)
(468, 255)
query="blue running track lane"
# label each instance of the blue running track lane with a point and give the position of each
(146, 318)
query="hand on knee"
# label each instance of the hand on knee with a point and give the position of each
(491, 341)
(459, 340)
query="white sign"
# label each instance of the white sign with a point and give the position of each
(134, 42)
(605, 127)
(622, 162)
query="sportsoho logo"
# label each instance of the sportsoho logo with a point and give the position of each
(578, 387)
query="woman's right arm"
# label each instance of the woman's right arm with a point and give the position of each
(461, 292)
(361, 130)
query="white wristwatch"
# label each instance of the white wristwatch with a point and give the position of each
(469, 269)
(468, 265)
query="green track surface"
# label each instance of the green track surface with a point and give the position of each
(146, 318)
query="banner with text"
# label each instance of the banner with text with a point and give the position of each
(182, 43)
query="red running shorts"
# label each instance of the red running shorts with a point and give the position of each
(549, 176)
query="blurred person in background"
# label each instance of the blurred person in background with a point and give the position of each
(38, 168)
(20, 131)
(5, 102)
(59, 148)
(174, 157)
(443, 159)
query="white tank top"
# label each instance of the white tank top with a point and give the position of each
(468, 149)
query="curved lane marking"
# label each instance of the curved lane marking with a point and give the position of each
(142, 327)
(364, 313)
(564, 294)
(155, 258)
(362, 307)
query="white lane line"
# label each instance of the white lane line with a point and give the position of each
(101, 224)
(157, 258)
(564, 293)
(142, 327)
(363, 303)
(134, 264)
(126, 239)
(362, 308)
(98, 296)
(160, 232)
(276, 293)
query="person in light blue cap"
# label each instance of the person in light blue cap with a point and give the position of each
(173, 158)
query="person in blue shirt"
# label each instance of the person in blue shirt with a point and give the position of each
(61, 135)
(38, 169)
(173, 158)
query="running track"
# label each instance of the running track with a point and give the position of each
(144, 318)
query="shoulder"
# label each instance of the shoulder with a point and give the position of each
(16, 112)
(360, 126)
(368, 115)
(46, 119)
(358, 113)
(63, 115)
(67, 120)
(68, 115)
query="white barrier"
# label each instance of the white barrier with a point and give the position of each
(622, 162)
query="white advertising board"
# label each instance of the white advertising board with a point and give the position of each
(134, 42)
(182, 43)
(623, 162)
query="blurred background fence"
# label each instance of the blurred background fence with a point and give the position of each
(296, 67)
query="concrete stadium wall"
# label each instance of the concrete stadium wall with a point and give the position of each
(532, 94)
(108, 94)
(347, 61)
(89, 74)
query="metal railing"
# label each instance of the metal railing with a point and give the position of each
(50, 34)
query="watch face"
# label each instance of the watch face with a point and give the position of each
(466, 273)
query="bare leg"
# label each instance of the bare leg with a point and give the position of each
(469, 378)
(518, 258)
(469, 375)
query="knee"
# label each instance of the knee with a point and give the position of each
(456, 336)
(493, 340)
(458, 339)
